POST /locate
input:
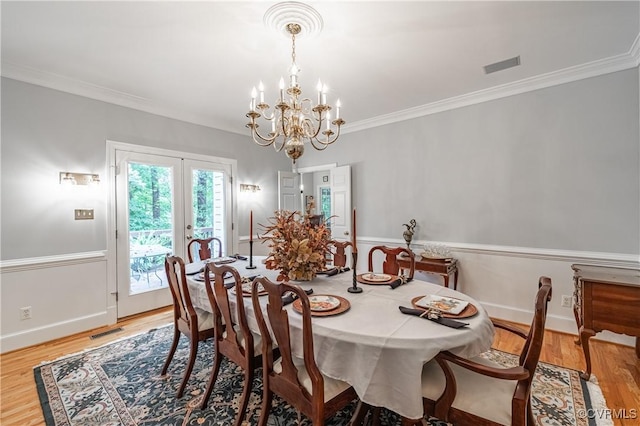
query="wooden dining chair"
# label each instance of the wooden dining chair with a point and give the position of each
(233, 338)
(479, 392)
(297, 381)
(196, 324)
(390, 264)
(339, 255)
(203, 247)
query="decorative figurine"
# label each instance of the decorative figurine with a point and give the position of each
(408, 233)
(311, 206)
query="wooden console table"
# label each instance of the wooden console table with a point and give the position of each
(443, 267)
(605, 298)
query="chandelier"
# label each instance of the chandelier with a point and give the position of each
(294, 120)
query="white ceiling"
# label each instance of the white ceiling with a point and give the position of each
(197, 61)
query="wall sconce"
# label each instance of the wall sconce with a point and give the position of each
(69, 178)
(244, 187)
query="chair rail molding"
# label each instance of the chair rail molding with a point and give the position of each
(16, 265)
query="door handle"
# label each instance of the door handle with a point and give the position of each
(346, 232)
(189, 226)
(189, 237)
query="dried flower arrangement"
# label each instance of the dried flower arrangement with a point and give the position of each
(298, 247)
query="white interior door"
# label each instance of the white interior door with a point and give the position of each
(340, 178)
(161, 203)
(289, 191)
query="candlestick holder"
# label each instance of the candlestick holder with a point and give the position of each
(251, 265)
(354, 288)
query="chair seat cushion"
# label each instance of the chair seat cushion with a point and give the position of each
(257, 339)
(477, 394)
(332, 387)
(205, 319)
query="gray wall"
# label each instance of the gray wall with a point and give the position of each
(45, 132)
(556, 168)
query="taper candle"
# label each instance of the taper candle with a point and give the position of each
(353, 236)
(251, 226)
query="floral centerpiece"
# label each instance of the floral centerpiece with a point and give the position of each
(299, 248)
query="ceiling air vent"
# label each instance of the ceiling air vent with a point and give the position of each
(502, 65)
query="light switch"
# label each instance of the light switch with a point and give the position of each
(84, 214)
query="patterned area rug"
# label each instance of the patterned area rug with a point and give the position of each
(120, 384)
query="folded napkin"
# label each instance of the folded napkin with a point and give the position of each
(433, 316)
(239, 257)
(193, 268)
(334, 271)
(397, 283)
(290, 297)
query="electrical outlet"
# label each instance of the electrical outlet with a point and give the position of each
(25, 313)
(566, 301)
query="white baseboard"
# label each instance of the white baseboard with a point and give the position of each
(38, 335)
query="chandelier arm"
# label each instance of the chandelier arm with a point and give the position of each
(263, 141)
(322, 145)
(325, 144)
(275, 143)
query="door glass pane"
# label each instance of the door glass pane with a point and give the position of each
(150, 225)
(325, 204)
(208, 206)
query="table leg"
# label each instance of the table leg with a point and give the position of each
(638, 347)
(576, 315)
(455, 279)
(585, 335)
(446, 280)
(360, 413)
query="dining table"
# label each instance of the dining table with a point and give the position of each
(372, 345)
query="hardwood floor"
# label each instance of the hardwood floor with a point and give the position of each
(616, 367)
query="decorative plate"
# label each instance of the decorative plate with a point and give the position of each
(343, 306)
(444, 304)
(376, 278)
(247, 288)
(322, 303)
(469, 310)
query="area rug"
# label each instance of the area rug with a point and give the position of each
(120, 384)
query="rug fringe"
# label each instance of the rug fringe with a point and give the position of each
(598, 403)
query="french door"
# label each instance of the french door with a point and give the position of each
(162, 202)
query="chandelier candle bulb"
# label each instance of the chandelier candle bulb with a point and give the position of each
(338, 105)
(261, 88)
(253, 98)
(324, 94)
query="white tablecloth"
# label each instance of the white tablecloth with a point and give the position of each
(373, 346)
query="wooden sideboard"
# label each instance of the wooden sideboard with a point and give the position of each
(605, 298)
(443, 267)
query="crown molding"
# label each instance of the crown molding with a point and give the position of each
(612, 64)
(104, 94)
(635, 50)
